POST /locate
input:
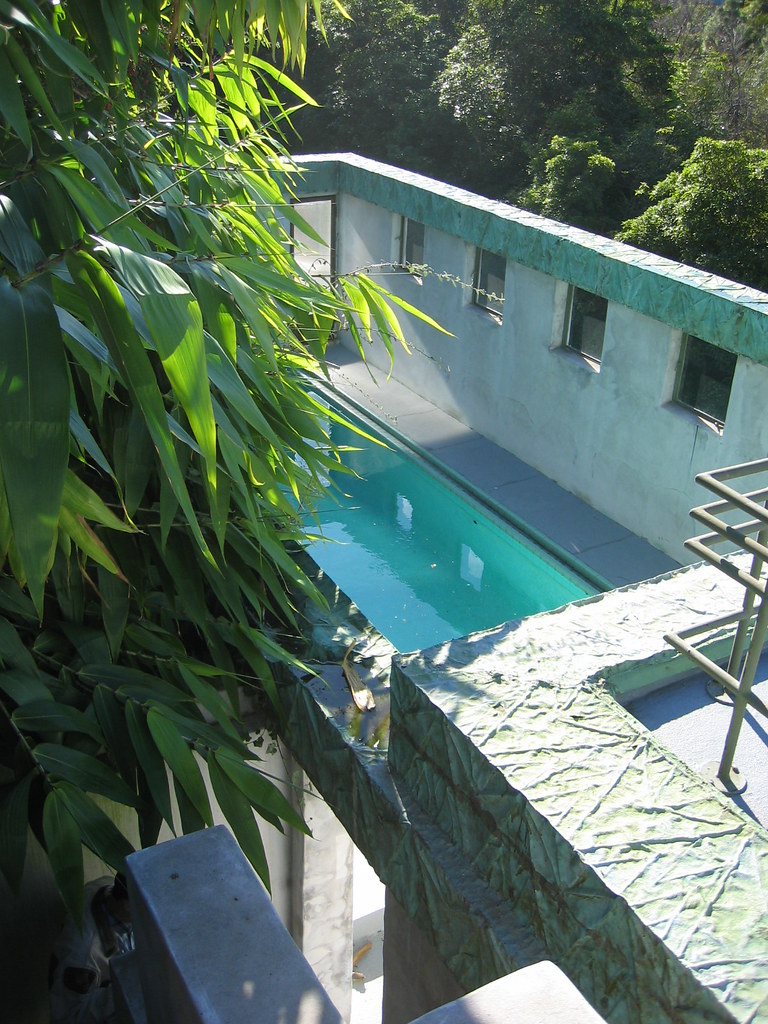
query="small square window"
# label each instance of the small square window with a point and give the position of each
(704, 378)
(411, 245)
(490, 271)
(585, 323)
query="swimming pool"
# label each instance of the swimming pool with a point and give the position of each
(424, 561)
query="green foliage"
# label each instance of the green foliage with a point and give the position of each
(154, 397)
(570, 183)
(712, 213)
(721, 69)
(524, 72)
(373, 74)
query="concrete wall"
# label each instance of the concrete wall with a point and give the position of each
(613, 437)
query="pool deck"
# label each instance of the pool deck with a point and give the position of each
(682, 716)
(606, 547)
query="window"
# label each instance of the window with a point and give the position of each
(585, 323)
(411, 245)
(490, 270)
(704, 378)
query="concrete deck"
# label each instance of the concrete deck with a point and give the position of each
(600, 543)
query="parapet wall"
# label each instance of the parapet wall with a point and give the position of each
(615, 437)
(521, 814)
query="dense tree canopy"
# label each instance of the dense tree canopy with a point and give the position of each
(524, 72)
(154, 397)
(373, 74)
(573, 109)
(712, 213)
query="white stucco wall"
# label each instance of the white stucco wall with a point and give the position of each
(612, 437)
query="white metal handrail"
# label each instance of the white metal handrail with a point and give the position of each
(738, 677)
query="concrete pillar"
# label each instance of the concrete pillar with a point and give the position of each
(322, 918)
(415, 978)
(209, 943)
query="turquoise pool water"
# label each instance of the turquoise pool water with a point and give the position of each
(421, 560)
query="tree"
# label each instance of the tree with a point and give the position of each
(521, 70)
(721, 75)
(570, 183)
(157, 336)
(373, 75)
(712, 213)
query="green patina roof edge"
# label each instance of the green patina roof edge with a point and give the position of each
(474, 661)
(730, 315)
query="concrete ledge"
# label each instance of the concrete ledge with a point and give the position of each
(126, 982)
(210, 944)
(540, 994)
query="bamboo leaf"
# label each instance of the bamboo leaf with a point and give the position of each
(210, 698)
(282, 79)
(13, 651)
(34, 425)
(62, 840)
(150, 761)
(11, 101)
(189, 815)
(14, 825)
(262, 793)
(119, 334)
(17, 243)
(238, 811)
(75, 527)
(41, 716)
(32, 82)
(84, 438)
(180, 760)
(81, 500)
(176, 324)
(115, 605)
(123, 678)
(111, 717)
(199, 733)
(23, 686)
(98, 832)
(84, 771)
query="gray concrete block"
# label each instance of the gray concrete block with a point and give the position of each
(126, 984)
(540, 994)
(211, 947)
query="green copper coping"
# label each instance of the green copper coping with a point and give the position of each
(723, 312)
(520, 813)
(626, 862)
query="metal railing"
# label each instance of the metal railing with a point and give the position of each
(747, 537)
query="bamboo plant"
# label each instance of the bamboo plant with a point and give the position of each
(156, 333)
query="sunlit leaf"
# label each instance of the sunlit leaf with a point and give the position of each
(120, 336)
